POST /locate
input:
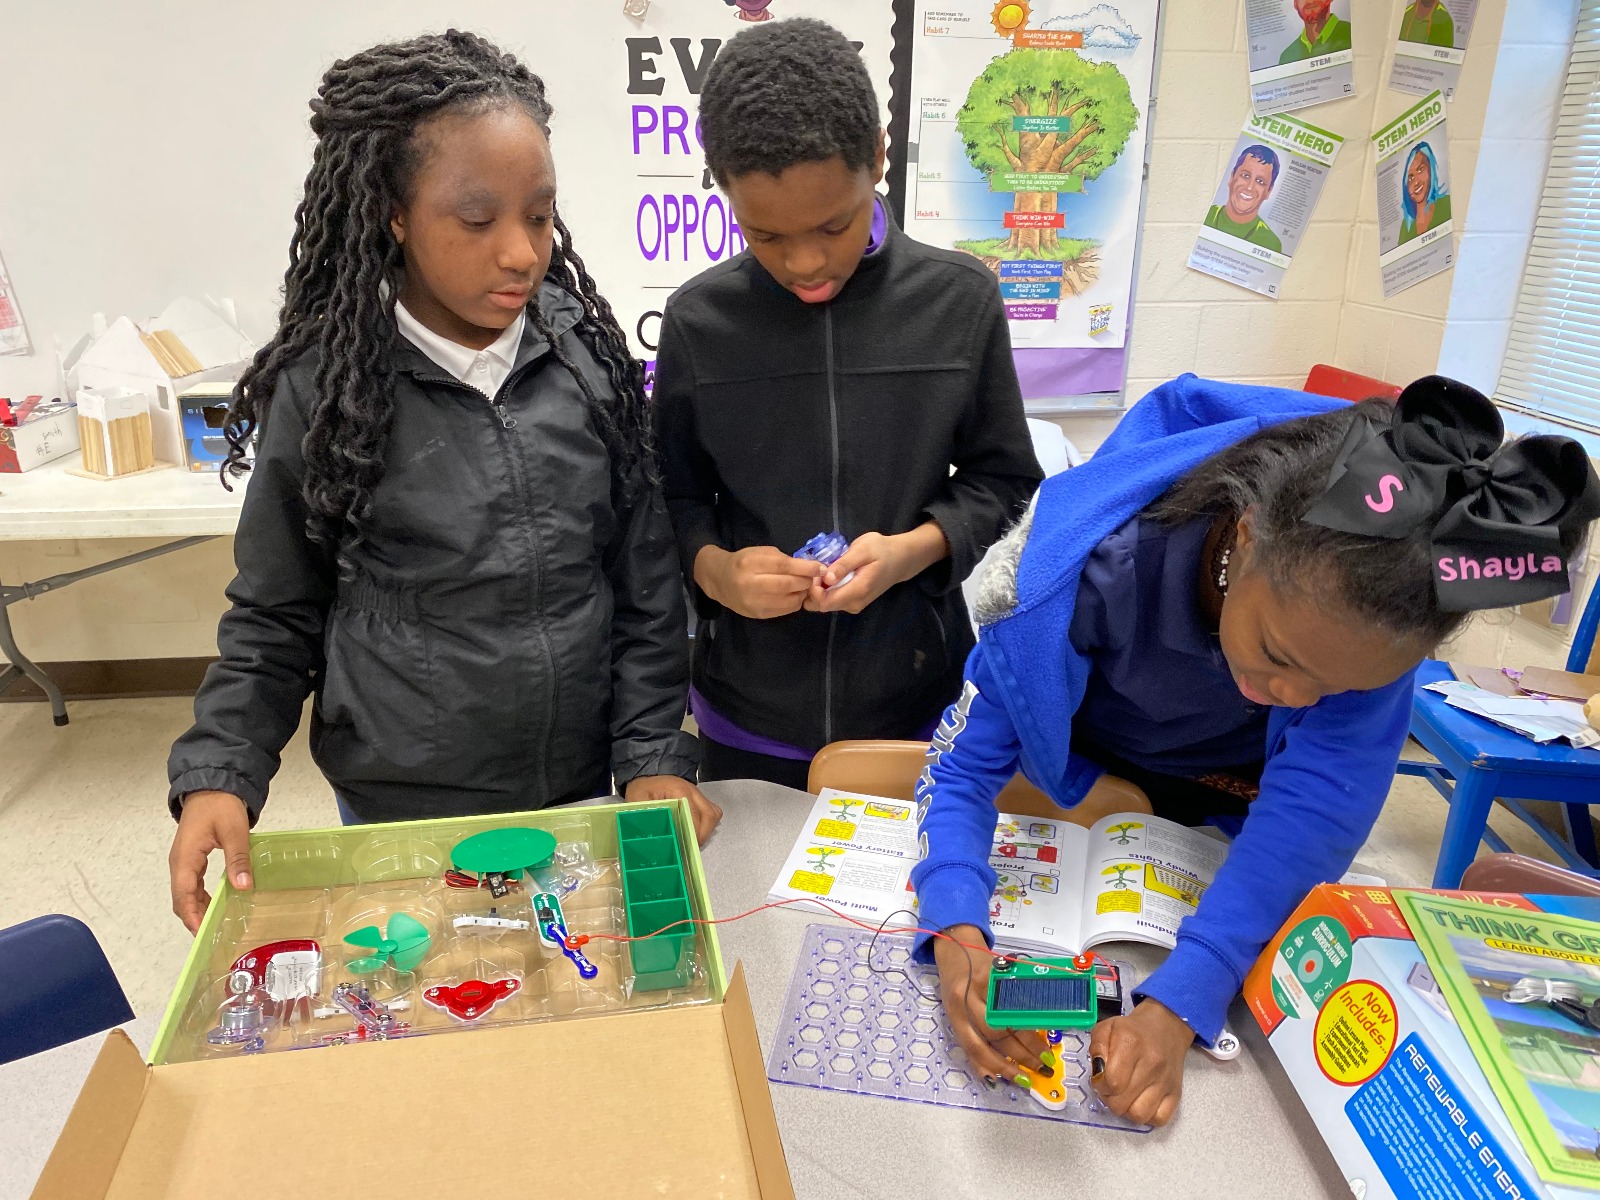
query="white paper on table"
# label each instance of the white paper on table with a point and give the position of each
(1541, 720)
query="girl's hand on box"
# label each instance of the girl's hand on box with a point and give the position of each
(670, 787)
(964, 984)
(759, 582)
(210, 821)
(1143, 1054)
(879, 561)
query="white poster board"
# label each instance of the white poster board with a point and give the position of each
(659, 220)
(13, 332)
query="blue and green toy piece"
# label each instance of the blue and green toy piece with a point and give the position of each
(655, 896)
(551, 923)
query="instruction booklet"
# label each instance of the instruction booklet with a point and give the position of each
(1060, 888)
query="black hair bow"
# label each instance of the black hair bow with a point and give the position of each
(1496, 512)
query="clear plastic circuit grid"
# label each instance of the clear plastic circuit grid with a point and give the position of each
(871, 1026)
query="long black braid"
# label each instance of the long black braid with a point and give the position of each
(345, 272)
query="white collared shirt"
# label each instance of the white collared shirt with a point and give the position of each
(484, 369)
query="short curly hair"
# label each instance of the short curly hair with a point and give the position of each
(787, 92)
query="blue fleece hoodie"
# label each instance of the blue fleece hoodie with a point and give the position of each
(1328, 767)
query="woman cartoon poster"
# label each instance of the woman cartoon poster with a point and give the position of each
(1424, 202)
(1415, 229)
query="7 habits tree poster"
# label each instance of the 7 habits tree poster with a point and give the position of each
(1026, 151)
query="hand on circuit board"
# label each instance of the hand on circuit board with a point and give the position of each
(1143, 1054)
(964, 984)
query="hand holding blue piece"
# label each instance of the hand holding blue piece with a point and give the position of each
(827, 549)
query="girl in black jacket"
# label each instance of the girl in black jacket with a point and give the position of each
(454, 535)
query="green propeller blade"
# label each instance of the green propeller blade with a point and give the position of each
(410, 939)
(404, 944)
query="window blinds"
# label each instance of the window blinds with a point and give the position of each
(1552, 363)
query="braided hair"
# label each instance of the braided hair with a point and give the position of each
(345, 271)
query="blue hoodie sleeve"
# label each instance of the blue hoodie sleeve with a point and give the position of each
(975, 753)
(1320, 796)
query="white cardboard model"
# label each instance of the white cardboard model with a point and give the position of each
(188, 343)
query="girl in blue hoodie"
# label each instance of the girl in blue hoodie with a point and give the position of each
(1224, 608)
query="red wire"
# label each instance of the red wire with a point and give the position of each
(575, 941)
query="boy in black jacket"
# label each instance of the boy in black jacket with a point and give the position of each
(828, 379)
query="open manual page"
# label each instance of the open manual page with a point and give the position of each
(1060, 888)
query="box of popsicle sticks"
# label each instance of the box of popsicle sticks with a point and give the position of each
(438, 1007)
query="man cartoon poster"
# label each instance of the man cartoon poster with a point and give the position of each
(1322, 33)
(1300, 53)
(1431, 44)
(1247, 187)
(1270, 185)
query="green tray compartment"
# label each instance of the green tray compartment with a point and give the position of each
(641, 854)
(655, 892)
(653, 883)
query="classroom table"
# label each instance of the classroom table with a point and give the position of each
(1241, 1132)
(50, 504)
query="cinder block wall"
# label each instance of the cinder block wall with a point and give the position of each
(1331, 310)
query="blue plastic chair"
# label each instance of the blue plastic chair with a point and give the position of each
(55, 987)
(1480, 762)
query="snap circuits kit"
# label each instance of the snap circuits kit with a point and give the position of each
(862, 1017)
(368, 934)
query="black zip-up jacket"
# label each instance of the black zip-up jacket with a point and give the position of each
(779, 420)
(512, 636)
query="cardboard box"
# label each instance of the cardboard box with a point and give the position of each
(187, 344)
(204, 412)
(1563, 685)
(34, 431)
(650, 1099)
(1350, 1007)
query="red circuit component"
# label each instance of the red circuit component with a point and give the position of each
(255, 962)
(473, 999)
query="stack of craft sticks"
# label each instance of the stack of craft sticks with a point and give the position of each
(114, 427)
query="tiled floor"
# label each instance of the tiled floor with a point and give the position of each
(84, 829)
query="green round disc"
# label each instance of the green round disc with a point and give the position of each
(503, 850)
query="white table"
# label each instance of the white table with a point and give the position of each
(48, 504)
(1241, 1132)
